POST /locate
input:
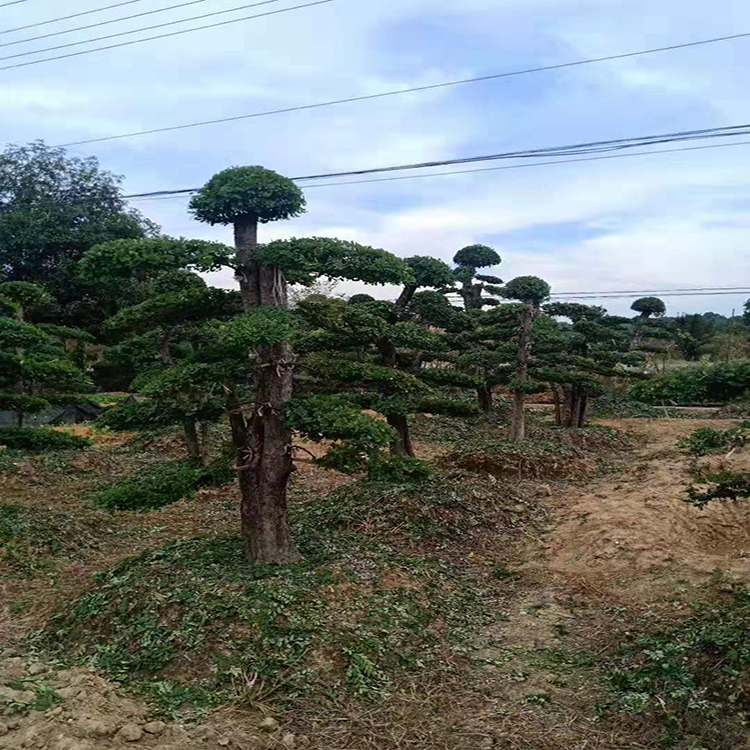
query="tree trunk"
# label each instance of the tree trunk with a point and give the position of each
(204, 442)
(246, 271)
(164, 353)
(583, 404)
(402, 445)
(265, 475)
(191, 439)
(558, 405)
(518, 419)
(263, 442)
(388, 353)
(405, 298)
(484, 395)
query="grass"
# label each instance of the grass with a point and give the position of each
(188, 621)
(550, 453)
(690, 683)
(31, 539)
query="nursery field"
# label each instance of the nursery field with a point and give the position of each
(559, 593)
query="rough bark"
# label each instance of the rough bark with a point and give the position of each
(191, 439)
(518, 418)
(484, 396)
(558, 405)
(263, 441)
(405, 297)
(204, 443)
(402, 446)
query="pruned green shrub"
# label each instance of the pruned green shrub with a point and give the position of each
(724, 486)
(157, 487)
(40, 439)
(135, 415)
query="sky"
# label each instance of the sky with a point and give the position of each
(646, 222)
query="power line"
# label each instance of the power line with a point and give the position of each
(67, 18)
(138, 31)
(593, 146)
(15, 2)
(170, 34)
(411, 90)
(746, 287)
(668, 294)
(96, 25)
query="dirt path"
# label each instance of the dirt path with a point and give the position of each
(633, 533)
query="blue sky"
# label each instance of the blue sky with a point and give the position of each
(643, 222)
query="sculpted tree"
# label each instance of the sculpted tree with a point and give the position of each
(245, 197)
(531, 292)
(580, 356)
(35, 368)
(467, 261)
(429, 273)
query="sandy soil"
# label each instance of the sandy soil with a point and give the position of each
(633, 532)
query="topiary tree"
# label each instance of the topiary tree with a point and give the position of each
(467, 261)
(34, 367)
(580, 356)
(364, 351)
(245, 197)
(531, 291)
(649, 306)
(428, 273)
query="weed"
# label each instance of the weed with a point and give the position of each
(692, 679)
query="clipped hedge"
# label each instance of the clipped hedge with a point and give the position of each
(701, 384)
(40, 439)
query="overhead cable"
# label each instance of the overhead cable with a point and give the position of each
(169, 34)
(119, 19)
(410, 90)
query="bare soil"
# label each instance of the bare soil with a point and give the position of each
(624, 539)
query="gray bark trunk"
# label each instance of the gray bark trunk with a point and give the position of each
(263, 441)
(402, 446)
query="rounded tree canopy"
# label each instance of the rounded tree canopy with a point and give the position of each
(476, 256)
(360, 299)
(430, 272)
(648, 306)
(24, 293)
(527, 289)
(247, 192)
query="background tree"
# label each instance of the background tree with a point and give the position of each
(648, 307)
(531, 291)
(473, 285)
(35, 369)
(53, 208)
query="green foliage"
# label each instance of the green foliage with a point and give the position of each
(147, 258)
(40, 439)
(615, 406)
(135, 415)
(305, 259)
(697, 384)
(261, 327)
(476, 256)
(157, 487)
(398, 469)
(706, 440)
(31, 538)
(337, 418)
(24, 294)
(430, 272)
(648, 306)
(22, 403)
(311, 626)
(692, 679)
(17, 334)
(527, 289)
(724, 486)
(54, 207)
(247, 193)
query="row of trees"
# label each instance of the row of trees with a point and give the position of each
(326, 368)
